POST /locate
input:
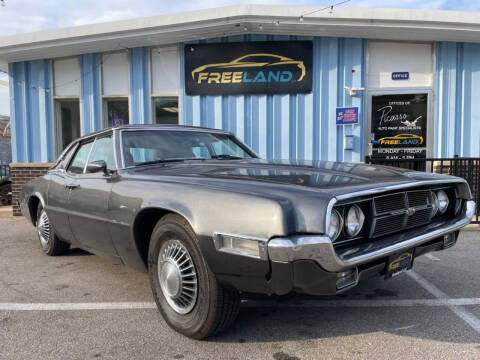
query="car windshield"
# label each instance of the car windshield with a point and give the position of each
(152, 146)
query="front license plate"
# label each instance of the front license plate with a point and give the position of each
(399, 263)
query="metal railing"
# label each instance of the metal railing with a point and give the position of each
(5, 186)
(464, 167)
(4, 171)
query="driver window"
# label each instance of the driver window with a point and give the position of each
(80, 159)
(103, 150)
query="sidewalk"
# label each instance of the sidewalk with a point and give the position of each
(472, 227)
(6, 212)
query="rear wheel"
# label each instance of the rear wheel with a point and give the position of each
(49, 241)
(186, 291)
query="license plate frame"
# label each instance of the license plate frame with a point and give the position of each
(399, 263)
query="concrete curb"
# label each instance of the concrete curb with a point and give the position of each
(6, 212)
(472, 227)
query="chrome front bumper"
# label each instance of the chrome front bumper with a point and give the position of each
(321, 250)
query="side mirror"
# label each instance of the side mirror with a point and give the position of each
(97, 166)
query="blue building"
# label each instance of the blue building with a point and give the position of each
(412, 78)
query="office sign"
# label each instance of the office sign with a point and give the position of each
(346, 115)
(400, 75)
(399, 126)
(264, 67)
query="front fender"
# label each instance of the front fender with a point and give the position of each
(207, 211)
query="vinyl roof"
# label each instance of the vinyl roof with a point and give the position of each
(387, 24)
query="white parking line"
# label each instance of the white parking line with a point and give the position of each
(432, 257)
(76, 306)
(459, 310)
(365, 303)
(252, 303)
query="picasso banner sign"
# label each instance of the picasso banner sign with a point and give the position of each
(399, 126)
(264, 67)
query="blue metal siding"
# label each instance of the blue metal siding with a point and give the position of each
(297, 126)
(457, 109)
(31, 111)
(139, 86)
(91, 117)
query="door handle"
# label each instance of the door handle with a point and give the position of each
(72, 186)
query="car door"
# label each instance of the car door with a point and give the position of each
(59, 197)
(89, 198)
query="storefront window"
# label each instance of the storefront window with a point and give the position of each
(116, 112)
(165, 110)
(67, 118)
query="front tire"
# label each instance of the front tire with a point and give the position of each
(186, 291)
(49, 241)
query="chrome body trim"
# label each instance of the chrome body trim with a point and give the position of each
(321, 250)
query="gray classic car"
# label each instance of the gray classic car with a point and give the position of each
(208, 220)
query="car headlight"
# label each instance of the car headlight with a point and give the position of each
(336, 224)
(354, 220)
(443, 201)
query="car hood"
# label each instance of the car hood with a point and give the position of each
(335, 178)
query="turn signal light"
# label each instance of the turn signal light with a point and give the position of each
(347, 278)
(241, 245)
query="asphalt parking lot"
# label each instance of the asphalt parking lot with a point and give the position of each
(80, 306)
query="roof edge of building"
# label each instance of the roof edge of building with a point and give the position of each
(224, 21)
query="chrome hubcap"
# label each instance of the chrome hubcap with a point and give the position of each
(43, 228)
(177, 276)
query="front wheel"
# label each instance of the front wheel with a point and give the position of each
(51, 244)
(186, 291)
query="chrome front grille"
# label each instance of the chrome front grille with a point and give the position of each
(399, 211)
(389, 203)
(418, 198)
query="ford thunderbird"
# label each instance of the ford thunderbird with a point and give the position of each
(208, 220)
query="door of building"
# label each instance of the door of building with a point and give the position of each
(399, 124)
(399, 121)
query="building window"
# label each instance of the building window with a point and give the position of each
(66, 77)
(66, 92)
(115, 89)
(165, 110)
(165, 71)
(115, 112)
(115, 72)
(165, 62)
(67, 122)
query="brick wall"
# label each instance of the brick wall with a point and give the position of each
(20, 174)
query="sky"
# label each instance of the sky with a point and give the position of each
(19, 16)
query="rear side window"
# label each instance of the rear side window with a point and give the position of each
(80, 159)
(64, 159)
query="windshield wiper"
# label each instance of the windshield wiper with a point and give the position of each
(227, 157)
(160, 161)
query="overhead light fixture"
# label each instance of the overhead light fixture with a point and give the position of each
(352, 91)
